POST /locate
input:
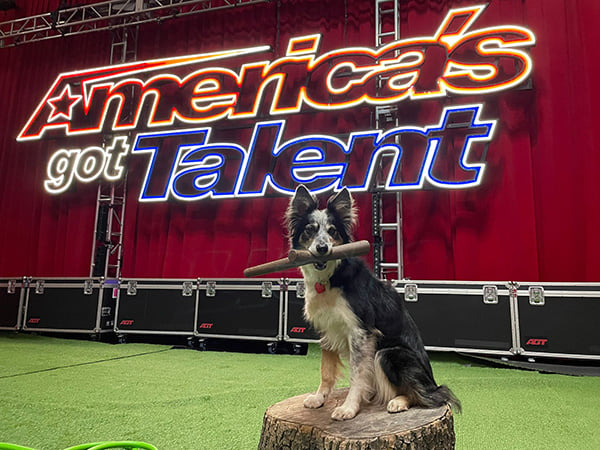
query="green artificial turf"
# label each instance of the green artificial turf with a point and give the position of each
(57, 393)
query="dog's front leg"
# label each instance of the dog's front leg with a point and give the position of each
(330, 362)
(361, 371)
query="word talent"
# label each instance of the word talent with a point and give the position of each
(198, 168)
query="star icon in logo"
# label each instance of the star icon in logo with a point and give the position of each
(62, 105)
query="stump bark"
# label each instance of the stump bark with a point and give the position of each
(288, 425)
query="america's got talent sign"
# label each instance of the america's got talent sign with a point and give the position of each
(162, 109)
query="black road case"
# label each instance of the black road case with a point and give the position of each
(558, 320)
(11, 303)
(156, 306)
(472, 317)
(240, 309)
(69, 305)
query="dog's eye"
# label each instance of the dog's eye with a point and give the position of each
(310, 229)
(332, 231)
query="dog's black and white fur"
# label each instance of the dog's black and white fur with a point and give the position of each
(360, 318)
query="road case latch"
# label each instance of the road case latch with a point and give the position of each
(284, 284)
(267, 289)
(490, 295)
(12, 286)
(39, 286)
(211, 288)
(411, 293)
(88, 287)
(132, 287)
(536, 296)
(300, 289)
(187, 289)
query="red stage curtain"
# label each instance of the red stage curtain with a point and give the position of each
(535, 217)
(213, 238)
(40, 234)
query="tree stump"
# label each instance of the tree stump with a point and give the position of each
(288, 425)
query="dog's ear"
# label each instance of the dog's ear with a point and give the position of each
(301, 204)
(342, 206)
(303, 201)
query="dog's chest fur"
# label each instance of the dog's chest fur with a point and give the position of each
(331, 315)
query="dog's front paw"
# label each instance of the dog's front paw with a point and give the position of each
(314, 401)
(398, 404)
(344, 413)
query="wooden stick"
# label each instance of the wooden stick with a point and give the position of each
(269, 267)
(297, 258)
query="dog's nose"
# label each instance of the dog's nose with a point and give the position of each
(322, 249)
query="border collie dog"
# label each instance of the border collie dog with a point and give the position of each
(360, 318)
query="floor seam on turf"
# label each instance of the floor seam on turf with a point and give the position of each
(87, 363)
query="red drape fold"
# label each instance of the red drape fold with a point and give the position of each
(534, 217)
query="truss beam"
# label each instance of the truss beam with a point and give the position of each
(387, 29)
(107, 15)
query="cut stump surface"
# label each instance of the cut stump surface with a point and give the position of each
(288, 425)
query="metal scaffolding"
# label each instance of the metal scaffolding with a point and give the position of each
(108, 15)
(387, 29)
(107, 250)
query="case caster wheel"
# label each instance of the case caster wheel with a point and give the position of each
(272, 348)
(121, 339)
(299, 349)
(201, 345)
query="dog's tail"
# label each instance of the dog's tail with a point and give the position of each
(442, 394)
(435, 397)
(412, 376)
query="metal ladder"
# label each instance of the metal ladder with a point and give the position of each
(386, 227)
(107, 251)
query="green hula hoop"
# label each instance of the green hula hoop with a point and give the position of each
(129, 445)
(132, 445)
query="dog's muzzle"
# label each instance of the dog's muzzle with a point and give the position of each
(322, 250)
